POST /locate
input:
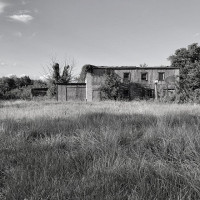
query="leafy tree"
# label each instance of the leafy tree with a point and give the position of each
(111, 88)
(55, 77)
(188, 60)
(56, 72)
(66, 76)
(39, 84)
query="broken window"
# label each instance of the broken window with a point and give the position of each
(126, 77)
(161, 76)
(144, 76)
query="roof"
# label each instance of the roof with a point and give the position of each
(90, 67)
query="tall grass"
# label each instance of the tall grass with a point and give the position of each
(104, 150)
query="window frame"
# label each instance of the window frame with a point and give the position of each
(163, 76)
(128, 78)
(146, 76)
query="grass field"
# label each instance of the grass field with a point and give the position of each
(97, 151)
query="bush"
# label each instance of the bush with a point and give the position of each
(111, 89)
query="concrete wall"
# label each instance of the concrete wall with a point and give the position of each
(89, 88)
(95, 79)
(71, 92)
(61, 93)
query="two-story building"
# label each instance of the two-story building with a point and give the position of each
(136, 82)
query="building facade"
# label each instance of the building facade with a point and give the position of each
(136, 82)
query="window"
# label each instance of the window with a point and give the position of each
(161, 76)
(126, 75)
(144, 76)
(126, 78)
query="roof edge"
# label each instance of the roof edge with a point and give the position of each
(89, 67)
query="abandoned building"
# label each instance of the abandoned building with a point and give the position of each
(136, 83)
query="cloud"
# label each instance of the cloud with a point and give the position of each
(21, 12)
(24, 2)
(25, 18)
(196, 34)
(2, 64)
(36, 10)
(18, 34)
(32, 35)
(2, 7)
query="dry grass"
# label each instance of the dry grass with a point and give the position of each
(105, 150)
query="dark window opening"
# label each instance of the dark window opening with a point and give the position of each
(144, 76)
(126, 75)
(161, 76)
(150, 93)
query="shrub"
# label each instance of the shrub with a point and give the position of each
(111, 88)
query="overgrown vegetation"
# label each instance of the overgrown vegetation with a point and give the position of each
(110, 90)
(18, 88)
(55, 78)
(188, 60)
(108, 150)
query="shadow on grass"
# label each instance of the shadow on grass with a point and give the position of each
(95, 156)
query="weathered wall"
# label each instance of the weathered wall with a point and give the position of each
(95, 79)
(89, 88)
(71, 92)
(135, 75)
(61, 92)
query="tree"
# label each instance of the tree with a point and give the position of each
(56, 72)
(111, 88)
(188, 60)
(66, 76)
(55, 77)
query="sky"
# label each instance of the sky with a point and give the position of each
(33, 33)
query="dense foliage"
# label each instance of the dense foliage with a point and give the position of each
(55, 78)
(188, 60)
(111, 88)
(18, 88)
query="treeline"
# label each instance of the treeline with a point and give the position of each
(18, 87)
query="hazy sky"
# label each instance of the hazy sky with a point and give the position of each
(98, 32)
